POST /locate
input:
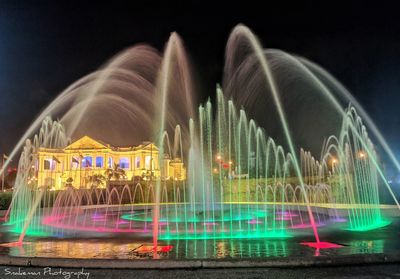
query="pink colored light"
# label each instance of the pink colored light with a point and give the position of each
(99, 220)
(210, 224)
(321, 245)
(98, 216)
(49, 221)
(254, 221)
(121, 222)
(287, 214)
(283, 218)
(304, 226)
(12, 244)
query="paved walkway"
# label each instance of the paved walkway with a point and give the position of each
(364, 272)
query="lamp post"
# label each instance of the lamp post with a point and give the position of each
(2, 175)
(334, 161)
(4, 158)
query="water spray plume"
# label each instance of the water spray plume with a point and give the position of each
(240, 181)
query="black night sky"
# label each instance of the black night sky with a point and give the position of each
(45, 46)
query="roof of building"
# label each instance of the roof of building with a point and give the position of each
(87, 143)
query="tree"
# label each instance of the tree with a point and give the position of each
(10, 178)
(115, 173)
(96, 180)
(69, 182)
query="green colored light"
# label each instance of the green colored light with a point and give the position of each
(142, 217)
(370, 227)
(31, 232)
(218, 235)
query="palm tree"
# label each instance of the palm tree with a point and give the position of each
(115, 173)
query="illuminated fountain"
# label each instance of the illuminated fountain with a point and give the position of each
(247, 177)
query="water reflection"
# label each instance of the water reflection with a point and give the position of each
(367, 246)
(75, 249)
(218, 249)
(384, 240)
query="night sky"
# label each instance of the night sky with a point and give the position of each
(44, 47)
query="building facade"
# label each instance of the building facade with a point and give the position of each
(77, 164)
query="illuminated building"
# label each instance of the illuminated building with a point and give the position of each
(85, 159)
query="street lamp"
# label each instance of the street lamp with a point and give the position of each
(334, 161)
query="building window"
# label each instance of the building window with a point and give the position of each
(147, 162)
(74, 163)
(124, 163)
(110, 162)
(87, 162)
(137, 162)
(99, 162)
(49, 164)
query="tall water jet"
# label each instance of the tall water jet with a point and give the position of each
(25, 204)
(175, 64)
(258, 51)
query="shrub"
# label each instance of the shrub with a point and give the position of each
(5, 200)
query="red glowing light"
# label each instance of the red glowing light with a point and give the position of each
(12, 244)
(225, 166)
(321, 245)
(149, 249)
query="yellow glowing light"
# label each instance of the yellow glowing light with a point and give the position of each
(103, 158)
(218, 157)
(361, 155)
(230, 162)
(334, 161)
(215, 170)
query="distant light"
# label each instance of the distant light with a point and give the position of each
(361, 155)
(218, 157)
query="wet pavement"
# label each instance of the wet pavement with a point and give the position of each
(382, 240)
